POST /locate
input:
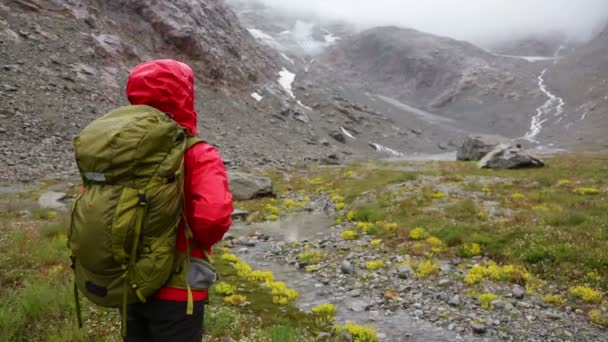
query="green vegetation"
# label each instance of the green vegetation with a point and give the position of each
(37, 303)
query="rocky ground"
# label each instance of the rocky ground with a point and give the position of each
(405, 294)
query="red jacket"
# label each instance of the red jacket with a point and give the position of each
(168, 86)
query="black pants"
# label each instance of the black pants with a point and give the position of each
(164, 321)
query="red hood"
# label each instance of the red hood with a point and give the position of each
(166, 85)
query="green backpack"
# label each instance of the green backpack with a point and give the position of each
(123, 223)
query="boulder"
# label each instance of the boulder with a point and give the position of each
(246, 186)
(53, 200)
(507, 156)
(477, 146)
(338, 136)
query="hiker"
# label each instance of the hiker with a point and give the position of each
(156, 310)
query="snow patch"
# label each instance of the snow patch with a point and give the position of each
(303, 105)
(257, 96)
(286, 79)
(330, 38)
(265, 38)
(347, 133)
(385, 149)
(287, 58)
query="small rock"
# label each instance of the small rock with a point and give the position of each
(247, 242)
(338, 136)
(243, 250)
(346, 267)
(454, 301)
(479, 328)
(518, 292)
(445, 282)
(355, 293)
(25, 214)
(405, 271)
(357, 305)
(238, 214)
(499, 304)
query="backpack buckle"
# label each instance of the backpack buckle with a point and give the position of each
(142, 200)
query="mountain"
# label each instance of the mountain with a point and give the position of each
(476, 89)
(65, 63)
(581, 78)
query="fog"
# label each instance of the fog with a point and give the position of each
(480, 21)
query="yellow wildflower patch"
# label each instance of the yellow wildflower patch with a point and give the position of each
(324, 313)
(261, 276)
(230, 257)
(242, 269)
(235, 300)
(596, 317)
(224, 289)
(359, 333)
(426, 268)
(376, 243)
(486, 299)
(375, 265)
(587, 294)
(312, 256)
(419, 233)
(471, 249)
(349, 235)
(586, 191)
(312, 268)
(554, 299)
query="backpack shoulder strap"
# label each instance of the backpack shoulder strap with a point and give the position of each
(192, 140)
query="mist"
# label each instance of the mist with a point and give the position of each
(483, 22)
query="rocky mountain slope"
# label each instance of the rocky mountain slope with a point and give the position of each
(65, 63)
(477, 89)
(581, 79)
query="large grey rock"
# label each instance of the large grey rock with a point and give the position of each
(245, 186)
(477, 146)
(53, 200)
(507, 156)
(406, 271)
(357, 305)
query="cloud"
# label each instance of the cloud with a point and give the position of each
(479, 21)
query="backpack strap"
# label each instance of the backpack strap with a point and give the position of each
(193, 140)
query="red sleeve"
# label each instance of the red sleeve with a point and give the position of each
(209, 201)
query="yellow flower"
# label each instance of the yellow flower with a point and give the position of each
(438, 195)
(375, 265)
(359, 333)
(586, 191)
(426, 268)
(376, 243)
(351, 215)
(471, 249)
(261, 276)
(272, 217)
(597, 317)
(419, 233)
(313, 268)
(518, 197)
(325, 313)
(235, 299)
(349, 235)
(230, 257)
(587, 294)
(486, 299)
(340, 206)
(224, 289)
(554, 299)
(242, 269)
(311, 257)
(564, 182)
